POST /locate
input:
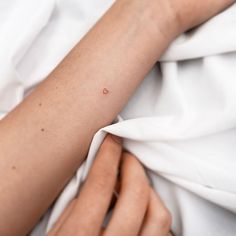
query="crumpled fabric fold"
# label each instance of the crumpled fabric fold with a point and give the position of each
(181, 122)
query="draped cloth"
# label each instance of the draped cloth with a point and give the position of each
(180, 123)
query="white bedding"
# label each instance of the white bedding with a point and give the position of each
(181, 123)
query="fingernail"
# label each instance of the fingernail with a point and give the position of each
(117, 139)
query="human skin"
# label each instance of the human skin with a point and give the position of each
(44, 140)
(138, 210)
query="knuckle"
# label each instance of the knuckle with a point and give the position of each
(134, 182)
(140, 193)
(100, 185)
(102, 180)
(109, 147)
(130, 159)
(164, 218)
(111, 141)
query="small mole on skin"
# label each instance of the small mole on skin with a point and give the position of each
(105, 91)
(42, 130)
(40, 104)
(13, 167)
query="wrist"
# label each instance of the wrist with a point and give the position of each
(159, 16)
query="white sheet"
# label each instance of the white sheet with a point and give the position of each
(181, 123)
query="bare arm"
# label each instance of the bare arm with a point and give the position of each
(44, 140)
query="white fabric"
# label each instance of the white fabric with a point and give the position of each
(181, 123)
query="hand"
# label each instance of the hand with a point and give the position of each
(190, 13)
(169, 18)
(138, 210)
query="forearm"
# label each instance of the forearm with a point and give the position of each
(44, 140)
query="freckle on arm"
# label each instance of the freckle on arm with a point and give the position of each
(105, 91)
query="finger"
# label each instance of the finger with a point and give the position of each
(158, 218)
(133, 199)
(62, 219)
(93, 201)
